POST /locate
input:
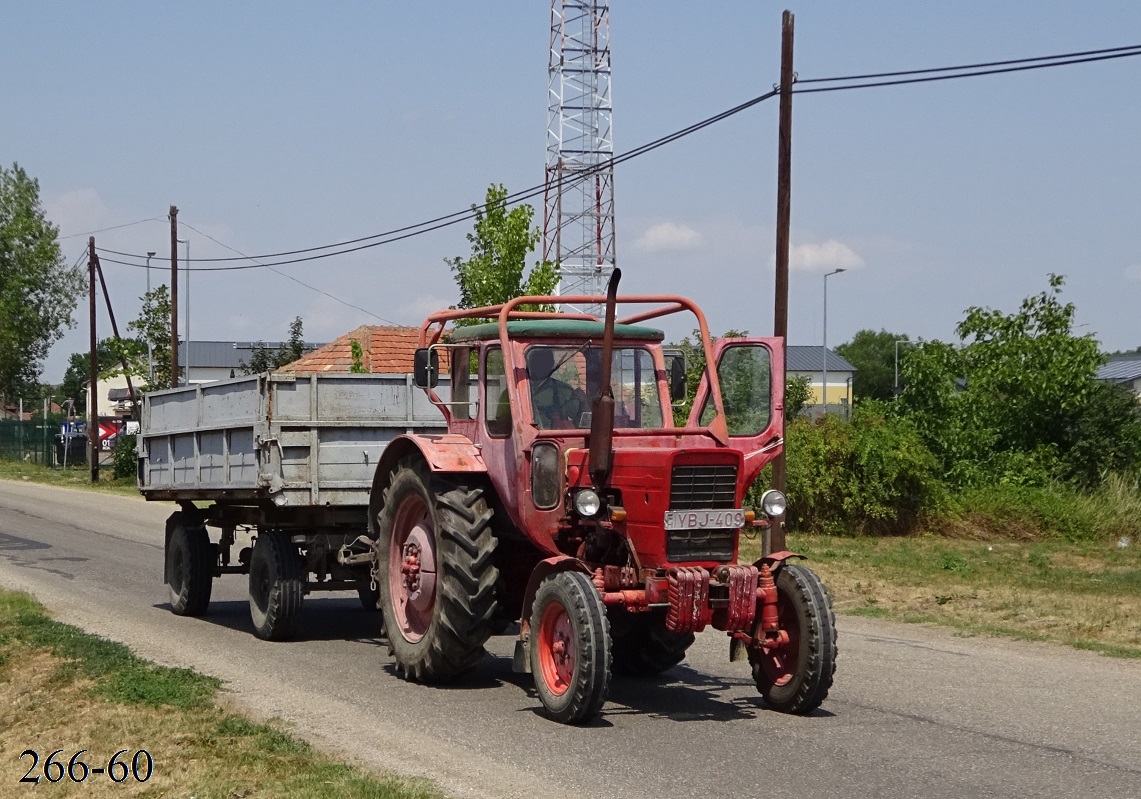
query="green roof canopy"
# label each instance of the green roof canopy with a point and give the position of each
(554, 328)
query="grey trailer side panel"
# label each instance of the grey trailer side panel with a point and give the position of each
(309, 440)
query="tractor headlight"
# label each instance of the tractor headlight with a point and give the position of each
(774, 503)
(587, 503)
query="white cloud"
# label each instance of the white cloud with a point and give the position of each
(824, 256)
(1133, 272)
(669, 237)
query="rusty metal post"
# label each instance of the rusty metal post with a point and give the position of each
(173, 297)
(784, 217)
(93, 385)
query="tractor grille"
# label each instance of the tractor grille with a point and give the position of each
(702, 488)
(685, 546)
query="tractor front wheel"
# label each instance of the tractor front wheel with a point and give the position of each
(570, 647)
(795, 677)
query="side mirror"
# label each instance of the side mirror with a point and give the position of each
(426, 368)
(676, 363)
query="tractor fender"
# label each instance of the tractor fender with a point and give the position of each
(442, 453)
(521, 663)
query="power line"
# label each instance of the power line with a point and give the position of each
(927, 76)
(113, 227)
(291, 277)
(439, 222)
(955, 76)
(962, 67)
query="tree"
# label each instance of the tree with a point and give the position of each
(108, 355)
(873, 355)
(500, 242)
(266, 359)
(38, 290)
(797, 393)
(1019, 400)
(153, 327)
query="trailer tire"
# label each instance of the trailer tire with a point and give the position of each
(437, 572)
(189, 565)
(796, 679)
(644, 647)
(277, 585)
(570, 647)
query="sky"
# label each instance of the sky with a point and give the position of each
(281, 125)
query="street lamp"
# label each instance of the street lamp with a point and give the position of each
(186, 326)
(150, 351)
(828, 275)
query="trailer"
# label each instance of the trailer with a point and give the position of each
(286, 461)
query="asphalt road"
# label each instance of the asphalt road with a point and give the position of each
(915, 712)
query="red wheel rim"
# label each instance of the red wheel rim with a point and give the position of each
(780, 663)
(412, 568)
(557, 651)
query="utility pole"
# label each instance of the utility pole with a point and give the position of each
(150, 349)
(173, 297)
(93, 385)
(776, 541)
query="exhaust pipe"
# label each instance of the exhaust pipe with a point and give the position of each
(602, 410)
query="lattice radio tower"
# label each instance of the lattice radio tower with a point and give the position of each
(578, 222)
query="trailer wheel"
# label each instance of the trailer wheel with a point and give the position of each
(437, 573)
(644, 647)
(570, 647)
(277, 584)
(189, 565)
(796, 677)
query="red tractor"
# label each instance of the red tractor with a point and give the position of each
(565, 497)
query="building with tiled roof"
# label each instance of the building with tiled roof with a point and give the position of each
(383, 350)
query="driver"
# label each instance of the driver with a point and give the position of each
(556, 405)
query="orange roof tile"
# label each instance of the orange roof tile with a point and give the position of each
(384, 350)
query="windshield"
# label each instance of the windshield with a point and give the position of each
(565, 380)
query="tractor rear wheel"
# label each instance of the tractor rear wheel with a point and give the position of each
(189, 565)
(277, 585)
(570, 647)
(643, 647)
(437, 572)
(795, 678)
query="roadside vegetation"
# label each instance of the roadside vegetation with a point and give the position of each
(61, 688)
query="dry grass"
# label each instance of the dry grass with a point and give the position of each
(62, 689)
(1083, 595)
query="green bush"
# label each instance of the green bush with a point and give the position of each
(872, 475)
(123, 457)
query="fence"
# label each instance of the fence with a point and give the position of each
(32, 441)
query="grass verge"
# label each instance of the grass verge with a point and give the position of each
(67, 478)
(1083, 594)
(64, 689)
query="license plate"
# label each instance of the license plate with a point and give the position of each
(704, 519)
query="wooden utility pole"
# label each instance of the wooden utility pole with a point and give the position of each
(93, 385)
(784, 218)
(174, 297)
